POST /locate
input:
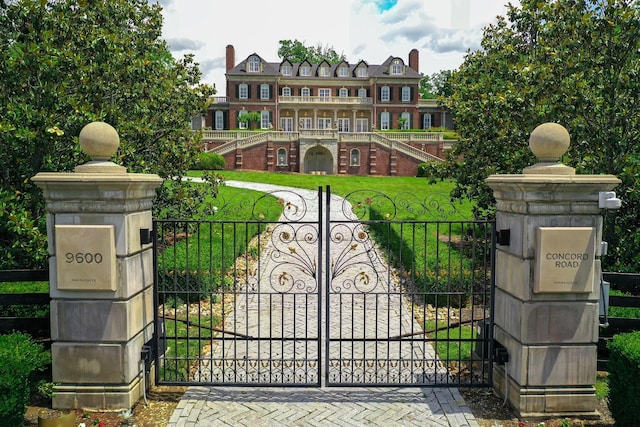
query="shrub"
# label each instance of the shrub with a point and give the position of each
(20, 359)
(210, 161)
(624, 371)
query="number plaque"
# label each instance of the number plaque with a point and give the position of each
(85, 257)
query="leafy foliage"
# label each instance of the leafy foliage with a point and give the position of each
(251, 119)
(67, 63)
(574, 62)
(623, 367)
(209, 161)
(297, 51)
(436, 85)
(20, 359)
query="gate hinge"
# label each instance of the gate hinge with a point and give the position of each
(146, 236)
(503, 237)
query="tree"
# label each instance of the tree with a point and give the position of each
(575, 62)
(436, 85)
(67, 63)
(251, 119)
(297, 51)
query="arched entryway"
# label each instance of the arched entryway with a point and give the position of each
(318, 159)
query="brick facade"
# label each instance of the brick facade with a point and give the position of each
(313, 117)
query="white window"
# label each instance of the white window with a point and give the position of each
(305, 92)
(426, 121)
(243, 91)
(343, 92)
(305, 123)
(254, 64)
(406, 94)
(407, 121)
(324, 93)
(343, 71)
(240, 124)
(396, 67)
(362, 72)
(384, 94)
(324, 72)
(385, 120)
(362, 92)
(282, 157)
(264, 120)
(286, 91)
(285, 70)
(305, 70)
(354, 158)
(343, 125)
(286, 124)
(362, 125)
(264, 91)
(219, 120)
(324, 123)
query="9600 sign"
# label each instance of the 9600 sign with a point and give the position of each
(86, 258)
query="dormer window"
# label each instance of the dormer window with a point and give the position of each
(397, 67)
(305, 70)
(324, 72)
(362, 72)
(253, 65)
(343, 72)
(285, 70)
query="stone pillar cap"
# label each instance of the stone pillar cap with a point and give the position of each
(549, 142)
(100, 141)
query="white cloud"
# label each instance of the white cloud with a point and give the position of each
(442, 30)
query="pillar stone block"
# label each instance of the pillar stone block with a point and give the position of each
(546, 313)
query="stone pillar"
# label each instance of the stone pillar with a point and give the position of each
(101, 276)
(548, 281)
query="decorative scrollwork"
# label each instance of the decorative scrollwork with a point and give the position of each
(290, 206)
(365, 205)
(295, 264)
(355, 263)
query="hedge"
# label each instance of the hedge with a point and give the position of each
(624, 371)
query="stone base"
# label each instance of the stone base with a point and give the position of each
(100, 398)
(546, 402)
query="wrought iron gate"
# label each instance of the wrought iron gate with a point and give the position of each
(314, 290)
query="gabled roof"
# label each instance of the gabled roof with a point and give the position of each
(273, 68)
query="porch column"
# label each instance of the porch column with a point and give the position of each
(548, 281)
(101, 276)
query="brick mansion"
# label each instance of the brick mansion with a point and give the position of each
(324, 118)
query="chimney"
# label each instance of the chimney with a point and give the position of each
(414, 62)
(231, 57)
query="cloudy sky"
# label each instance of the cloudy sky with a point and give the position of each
(373, 30)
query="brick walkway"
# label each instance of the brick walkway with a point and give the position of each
(295, 315)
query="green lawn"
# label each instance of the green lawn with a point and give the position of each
(412, 187)
(422, 232)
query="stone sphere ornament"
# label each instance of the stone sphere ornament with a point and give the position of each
(549, 142)
(99, 140)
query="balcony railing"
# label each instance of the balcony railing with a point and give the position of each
(357, 100)
(219, 100)
(232, 135)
